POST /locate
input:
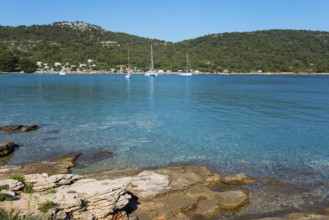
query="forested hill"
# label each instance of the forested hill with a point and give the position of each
(76, 42)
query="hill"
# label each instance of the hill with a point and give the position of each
(74, 43)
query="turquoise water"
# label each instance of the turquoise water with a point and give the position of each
(236, 122)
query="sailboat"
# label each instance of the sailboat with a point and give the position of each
(188, 67)
(129, 74)
(151, 72)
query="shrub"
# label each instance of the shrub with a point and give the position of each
(5, 187)
(28, 188)
(17, 177)
(45, 206)
(50, 191)
(5, 198)
(13, 215)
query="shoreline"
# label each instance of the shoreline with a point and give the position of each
(172, 73)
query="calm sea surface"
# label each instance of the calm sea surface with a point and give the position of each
(233, 123)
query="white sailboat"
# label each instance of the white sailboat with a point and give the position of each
(129, 74)
(188, 67)
(151, 72)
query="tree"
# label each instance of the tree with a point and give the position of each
(8, 63)
(27, 66)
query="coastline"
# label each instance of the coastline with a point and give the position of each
(172, 73)
(170, 192)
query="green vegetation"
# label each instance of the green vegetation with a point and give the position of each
(50, 191)
(271, 51)
(47, 205)
(5, 187)
(28, 188)
(17, 177)
(8, 216)
(14, 215)
(4, 198)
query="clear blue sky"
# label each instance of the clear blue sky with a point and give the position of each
(172, 20)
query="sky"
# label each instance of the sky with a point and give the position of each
(172, 20)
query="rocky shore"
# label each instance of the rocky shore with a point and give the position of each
(50, 190)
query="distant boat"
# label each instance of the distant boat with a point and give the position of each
(151, 72)
(62, 72)
(188, 67)
(129, 74)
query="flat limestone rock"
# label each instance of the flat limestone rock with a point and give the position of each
(182, 176)
(103, 197)
(232, 199)
(85, 197)
(187, 193)
(42, 182)
(149, 184)
(206, 208)
(200, 192)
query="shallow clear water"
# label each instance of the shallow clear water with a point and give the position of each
(231, 121)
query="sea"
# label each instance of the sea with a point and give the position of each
(230, 123)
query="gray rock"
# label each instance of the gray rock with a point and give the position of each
(7, 148)
(7, 193)
(103, 197)
(42, 182)
(13, 185)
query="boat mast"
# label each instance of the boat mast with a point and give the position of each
(187, 62)
(151, 58)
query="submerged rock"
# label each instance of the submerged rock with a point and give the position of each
(92, 155)
(299, 216)
(57, 166)
(18, 128)
(239, 178)
(232, 199)
(7, 148)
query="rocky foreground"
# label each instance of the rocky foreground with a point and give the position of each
(174, 192)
